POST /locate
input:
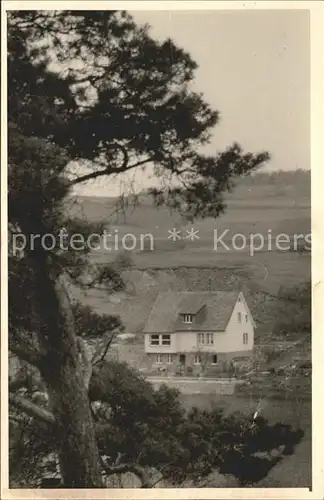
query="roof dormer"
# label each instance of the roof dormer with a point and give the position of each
(187, 318)
(190, 309)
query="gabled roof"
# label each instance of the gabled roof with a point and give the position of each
(164, 316)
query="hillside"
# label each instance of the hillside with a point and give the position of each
(287, 191)
(266, 203)
(143, 286)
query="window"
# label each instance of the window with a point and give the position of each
(187, 318)
(201, 338)
(245, 338)
(197, 359)
(246, 318)
(205, 338)
(169, 359)
(239, 317)
(157, 339)
(166, 339)
(214, 359)
(159, 359)
(209, 338)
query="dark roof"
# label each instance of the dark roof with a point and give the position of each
(164, 316)
(191, 304)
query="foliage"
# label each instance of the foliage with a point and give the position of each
(125, 104)
(180, 446)
(91, 325)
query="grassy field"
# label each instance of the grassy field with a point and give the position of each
(266, 210)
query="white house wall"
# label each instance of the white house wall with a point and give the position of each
(234, 331)
(187, 342)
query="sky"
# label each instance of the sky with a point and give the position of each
(253, 67)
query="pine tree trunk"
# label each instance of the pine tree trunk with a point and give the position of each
(77, 445)
(63, 375)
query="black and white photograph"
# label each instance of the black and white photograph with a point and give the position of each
(158, 249)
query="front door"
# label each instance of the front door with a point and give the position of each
(182, 359)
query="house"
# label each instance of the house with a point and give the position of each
(188, 331)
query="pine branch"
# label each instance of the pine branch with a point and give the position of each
(44, 415)
(34, 357)
(109, 171)
(31, 409)
(104, 352)
(123, 468)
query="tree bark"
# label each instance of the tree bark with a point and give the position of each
(77, 444)
(62, 373)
